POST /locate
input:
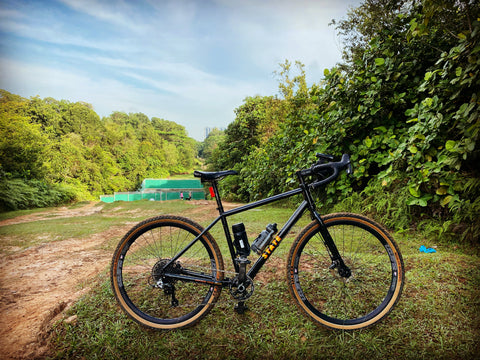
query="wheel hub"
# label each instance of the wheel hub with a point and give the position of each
(157, 278)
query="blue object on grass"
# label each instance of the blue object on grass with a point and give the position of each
(427, 250)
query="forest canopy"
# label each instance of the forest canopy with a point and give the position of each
(55, 151)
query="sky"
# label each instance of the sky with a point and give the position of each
(189, 61)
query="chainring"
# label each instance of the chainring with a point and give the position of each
(242, 291)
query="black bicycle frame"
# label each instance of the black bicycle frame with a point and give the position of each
(307, 203)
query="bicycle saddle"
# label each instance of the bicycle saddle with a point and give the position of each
(215, 175)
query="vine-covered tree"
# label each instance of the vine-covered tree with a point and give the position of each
(404, 104)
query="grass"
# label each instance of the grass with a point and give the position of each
(54, 228)
(438, 316)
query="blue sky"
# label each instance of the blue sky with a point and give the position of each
(189, 61)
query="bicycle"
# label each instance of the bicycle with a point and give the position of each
(344, 271)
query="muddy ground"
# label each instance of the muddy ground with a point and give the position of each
(39, 283)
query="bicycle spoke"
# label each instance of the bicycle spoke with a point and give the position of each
(334, 300)
(141, 268)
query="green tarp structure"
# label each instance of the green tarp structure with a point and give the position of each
(160, 190)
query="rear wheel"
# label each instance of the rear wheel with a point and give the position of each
(346, 302)
(147, 289)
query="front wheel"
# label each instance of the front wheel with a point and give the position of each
(159, 293)
(346, 302)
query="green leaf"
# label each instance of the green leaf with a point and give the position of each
(450, 145)
(414, 191)
(379, 61)
(442, 190)
(381, 128)
(422, 202)
(427, 102)
(470, 145)
(368, 142)
(446, 200)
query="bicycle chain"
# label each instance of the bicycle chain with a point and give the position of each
(218, 302)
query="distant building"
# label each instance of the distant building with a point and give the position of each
(208, 130)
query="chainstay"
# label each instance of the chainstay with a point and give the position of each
(218, 302)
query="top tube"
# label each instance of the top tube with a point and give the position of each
(330, 169)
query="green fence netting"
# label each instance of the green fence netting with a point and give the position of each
(160, 190)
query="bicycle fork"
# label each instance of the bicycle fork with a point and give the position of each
(337, 260)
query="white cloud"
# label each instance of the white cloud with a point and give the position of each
(195, 104)
(187, 61)
(120, 13)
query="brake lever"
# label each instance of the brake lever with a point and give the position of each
(323, 158)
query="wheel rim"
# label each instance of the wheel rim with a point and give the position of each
(137, 276)
(363, 298)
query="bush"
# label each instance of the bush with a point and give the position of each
(16, 194)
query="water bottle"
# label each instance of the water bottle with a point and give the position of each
(240, 240)
(264, 238)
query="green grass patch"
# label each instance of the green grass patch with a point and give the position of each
(57, 227)
(438, 316)
(13, 214)
(27, 234)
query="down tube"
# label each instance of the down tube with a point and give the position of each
(277, 240)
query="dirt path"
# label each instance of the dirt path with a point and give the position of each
(39, 283)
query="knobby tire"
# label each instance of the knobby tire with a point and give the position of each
(142, 290)
(336, 302)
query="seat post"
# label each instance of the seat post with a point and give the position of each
(217, 197)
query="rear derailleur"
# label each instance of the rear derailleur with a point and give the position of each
(157, 280)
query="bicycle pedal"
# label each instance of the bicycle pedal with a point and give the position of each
(240, 308)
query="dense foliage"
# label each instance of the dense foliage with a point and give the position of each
(55, 151)
(404, 104)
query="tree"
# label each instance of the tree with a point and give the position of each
(404, 105)
(22, 143)
(214, 138)
(58, 150)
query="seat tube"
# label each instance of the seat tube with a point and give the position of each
(224, 221)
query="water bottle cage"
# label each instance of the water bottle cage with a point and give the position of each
(261, 242)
